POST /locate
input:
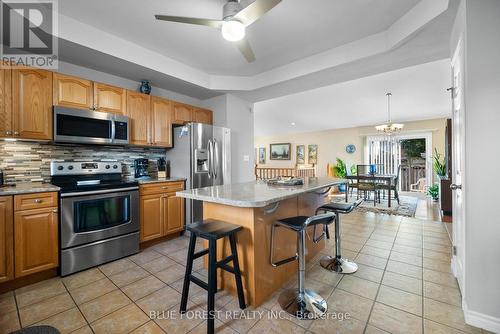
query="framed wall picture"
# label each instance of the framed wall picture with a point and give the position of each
(262, 155)
(301, 154)
(279, 151)
(312, 154)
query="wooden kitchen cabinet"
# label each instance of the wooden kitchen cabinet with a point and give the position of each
(32, 103)
(151, 219)
(182, 113)
(109, 98)
(6, 239)
(139, 113)
(36, 241)
(73, 92)
(6, 128)
(162, 212)
(202, 116)
(173, 213)
(161, 127)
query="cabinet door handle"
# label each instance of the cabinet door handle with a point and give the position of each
(8, 133)
(54, 211)
(38, 200)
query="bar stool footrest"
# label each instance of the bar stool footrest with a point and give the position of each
(200, 254)
(198, 282)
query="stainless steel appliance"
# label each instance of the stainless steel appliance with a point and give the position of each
(89, 127)
(99, 219)
(202, 154)
(141, 168)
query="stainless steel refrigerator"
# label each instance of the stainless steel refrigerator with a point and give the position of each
(201, 153)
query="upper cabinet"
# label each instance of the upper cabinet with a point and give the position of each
(6, 103)
(27, 96)
(161, 125)
(109, 98)
(139, 113)
(73, 92)
(202, 115)
(182, 113)
(32, 103)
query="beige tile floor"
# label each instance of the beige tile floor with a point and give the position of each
(403, 285)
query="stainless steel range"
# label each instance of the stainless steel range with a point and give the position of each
(99, 214)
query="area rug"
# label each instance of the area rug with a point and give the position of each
(407, 205)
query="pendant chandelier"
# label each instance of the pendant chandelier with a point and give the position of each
(389, 128)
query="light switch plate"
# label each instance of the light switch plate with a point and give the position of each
(246, 158)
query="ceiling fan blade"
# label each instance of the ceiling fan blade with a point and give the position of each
(246, 50)
(255, 11)
(191, 20)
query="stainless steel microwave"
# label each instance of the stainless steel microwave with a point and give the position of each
(89, 127)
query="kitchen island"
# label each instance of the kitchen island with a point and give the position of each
(255, 206)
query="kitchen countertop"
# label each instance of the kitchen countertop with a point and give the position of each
(27, 187)
(158, 180)
(257, 193)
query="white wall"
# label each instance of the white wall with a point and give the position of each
(240, 121)
(90, 74)
(482, 135)
(236, 114)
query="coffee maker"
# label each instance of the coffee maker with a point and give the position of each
(141, 168)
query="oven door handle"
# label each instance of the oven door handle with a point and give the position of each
(107, 191)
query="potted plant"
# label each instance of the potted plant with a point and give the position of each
(340, 170)
(439, 164)
(433, 191)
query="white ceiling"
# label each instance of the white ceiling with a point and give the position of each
(419, 92)
(294, 29)
(300, 45)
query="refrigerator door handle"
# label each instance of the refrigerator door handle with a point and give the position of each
(216, 158)
(210, 162)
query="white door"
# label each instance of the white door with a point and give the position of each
(458, 149)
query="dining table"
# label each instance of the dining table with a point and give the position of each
(385, 178)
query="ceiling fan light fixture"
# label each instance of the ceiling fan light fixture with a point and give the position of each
(233, 30)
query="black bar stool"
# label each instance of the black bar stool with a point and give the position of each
(212, 230)
(337, 263)
(301, 303)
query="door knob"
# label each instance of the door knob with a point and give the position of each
(455, 186)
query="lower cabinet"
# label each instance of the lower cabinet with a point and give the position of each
(28, 237)
(36, 241)
(6, 239)
(162, 212)
(151, 217)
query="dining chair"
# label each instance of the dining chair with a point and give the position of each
(393, 185)
(367, 185)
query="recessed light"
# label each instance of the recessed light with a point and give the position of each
(293, 123)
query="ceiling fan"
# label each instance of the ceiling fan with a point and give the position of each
(234, 21)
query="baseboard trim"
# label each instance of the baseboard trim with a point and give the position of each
(481, 320)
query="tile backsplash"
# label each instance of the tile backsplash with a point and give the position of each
(30, 161)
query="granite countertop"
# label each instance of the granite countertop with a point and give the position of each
(158, 179)
(257, 193)
(27, 187)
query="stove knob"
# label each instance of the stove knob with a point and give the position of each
(108, 166)
(70, 167)
(115, 166)
(60, 167)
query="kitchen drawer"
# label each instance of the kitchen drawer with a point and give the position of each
(159, 188)
(35, 201)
